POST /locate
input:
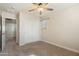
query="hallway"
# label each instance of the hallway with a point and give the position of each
(35, 49)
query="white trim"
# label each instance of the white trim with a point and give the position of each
(61, 46)
(21, 44)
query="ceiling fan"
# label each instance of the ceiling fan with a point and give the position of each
(40, 7)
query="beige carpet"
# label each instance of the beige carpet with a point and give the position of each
(35, 49)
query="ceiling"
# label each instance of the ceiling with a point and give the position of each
(14, 7)
(17, 7)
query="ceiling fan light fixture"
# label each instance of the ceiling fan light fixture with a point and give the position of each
(40, 9)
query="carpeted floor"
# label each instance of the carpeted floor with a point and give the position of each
(35, 49)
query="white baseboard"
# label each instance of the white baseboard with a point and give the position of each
(24, 43)
(61, 46)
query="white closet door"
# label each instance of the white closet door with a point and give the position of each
(29, 29)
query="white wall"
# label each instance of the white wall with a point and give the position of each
(8, 15)
(63, 29)
(29, 28)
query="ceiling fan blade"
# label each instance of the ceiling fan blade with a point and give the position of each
(31, 10)
(35, 3)
(50, 9)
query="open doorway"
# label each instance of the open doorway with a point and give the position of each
(10, 29)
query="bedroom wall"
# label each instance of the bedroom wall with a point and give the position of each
(63, 29)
